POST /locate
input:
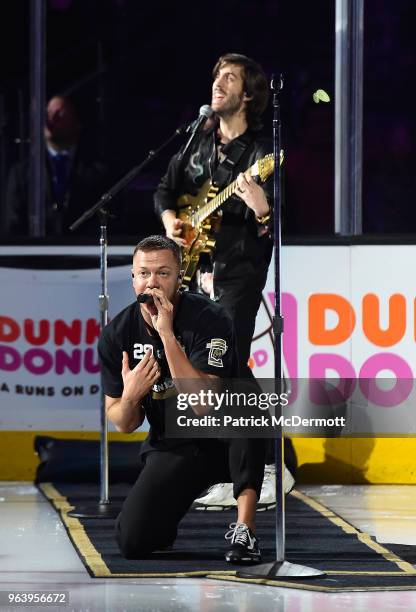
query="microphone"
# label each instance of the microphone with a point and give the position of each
(205, 112)
(144, 297)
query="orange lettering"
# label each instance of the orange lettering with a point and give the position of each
(65, 331)
(9, 329)
(397, 320)
(319, 303)
(43, 332)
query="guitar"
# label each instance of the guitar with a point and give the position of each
(197, 213)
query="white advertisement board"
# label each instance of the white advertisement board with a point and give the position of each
(349, 311)
(49, 326)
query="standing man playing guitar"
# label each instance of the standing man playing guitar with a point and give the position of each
(243, 243)
(222, 153)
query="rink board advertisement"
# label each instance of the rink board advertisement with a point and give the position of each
(349, 312)
(49, 327)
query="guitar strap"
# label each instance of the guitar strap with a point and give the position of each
(221, 177)
(233, 153)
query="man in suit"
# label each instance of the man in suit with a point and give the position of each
(74, 178)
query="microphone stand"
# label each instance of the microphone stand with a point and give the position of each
(103, 508)
(278, 568)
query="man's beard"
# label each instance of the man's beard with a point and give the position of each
(231, 107)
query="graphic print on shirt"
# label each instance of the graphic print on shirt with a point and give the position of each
(217, 349)
(140, 350)
(199, 169)
(164, 387)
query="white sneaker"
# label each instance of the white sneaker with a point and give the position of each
(268, 491)
(220, 496)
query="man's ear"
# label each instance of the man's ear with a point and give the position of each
(246, 98)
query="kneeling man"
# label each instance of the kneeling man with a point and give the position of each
(144, 351)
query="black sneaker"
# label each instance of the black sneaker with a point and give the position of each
(244, 545)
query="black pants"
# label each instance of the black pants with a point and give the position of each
(242, 299)
(171, 480)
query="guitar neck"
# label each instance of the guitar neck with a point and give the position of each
(207, 209)
(262, 167)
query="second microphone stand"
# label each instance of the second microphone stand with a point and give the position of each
(103, 508)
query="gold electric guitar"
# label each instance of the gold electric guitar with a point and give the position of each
(197, 213)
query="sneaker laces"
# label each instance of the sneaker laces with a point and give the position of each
(238, 534)
(269, 471)
(270, 474)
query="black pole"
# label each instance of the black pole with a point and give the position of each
(37, 119)
(277, 86)
(278, 568)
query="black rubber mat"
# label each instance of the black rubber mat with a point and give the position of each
(315, 537)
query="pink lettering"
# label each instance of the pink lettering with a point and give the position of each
(72, 362)
(90, 365)
(33, 356)
(400, 371)
(260, 358)
(318, 368)
(9, 359)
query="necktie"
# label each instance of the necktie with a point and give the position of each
(60, 167)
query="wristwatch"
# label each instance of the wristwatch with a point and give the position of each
(264, 219)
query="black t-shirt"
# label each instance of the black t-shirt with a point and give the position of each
(203, 329)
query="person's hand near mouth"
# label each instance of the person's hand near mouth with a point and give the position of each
(161, 312)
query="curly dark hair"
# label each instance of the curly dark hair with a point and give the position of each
(255, 85)
(159, 243)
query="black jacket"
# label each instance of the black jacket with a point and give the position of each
(242, 247)
(87, 182)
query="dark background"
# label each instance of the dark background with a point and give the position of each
(137, 70)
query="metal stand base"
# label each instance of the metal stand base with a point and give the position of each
(99, 510)
(279, 569)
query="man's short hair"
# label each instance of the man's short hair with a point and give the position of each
(255, 85)
(159, 243)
